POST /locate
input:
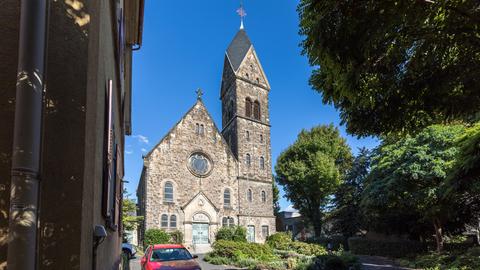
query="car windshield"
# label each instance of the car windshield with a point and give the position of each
(170, 254)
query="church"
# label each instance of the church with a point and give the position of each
(199, 178)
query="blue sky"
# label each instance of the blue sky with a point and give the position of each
(184, 43)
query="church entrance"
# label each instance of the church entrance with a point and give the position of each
(200, 233)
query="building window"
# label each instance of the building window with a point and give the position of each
(173, 221)
(197, 128)
(164, 221)
(249, 195)
(262, 163)
(246, 75)
(168, 192)
(247, 134)
(228, 222)
(258, 81)
(251, 233)
(265, 232)
(226, 198)
(261, 138)
(248, 107)
(248, 160)
(264, 196)
(202, 130)
(256, 110)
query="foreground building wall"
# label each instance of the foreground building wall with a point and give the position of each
(86, 57)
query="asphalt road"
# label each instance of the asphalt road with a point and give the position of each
(135, 264)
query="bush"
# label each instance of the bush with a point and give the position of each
(338, 241)
(235, 233)
(176, 237)
(386, 248)
(156, 236)
(468, 260)
(308, 249)
(281, 240)
(343, 261)
(243, 250)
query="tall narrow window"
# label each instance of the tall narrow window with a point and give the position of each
(251, 233)
(226, 198)
(248, 160)
(262, 163)
(164, 221)
(249, 195)
(256, 110)
(261, 138)
(264, 196)
(265, 232)
(247, 134)
(224, 222)
(248, 107)
(173, 221)
(168, 192)
(202, 129)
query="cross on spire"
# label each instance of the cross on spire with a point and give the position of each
(242, 13)
(199, 93)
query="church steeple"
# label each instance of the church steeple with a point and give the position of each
(245, 103)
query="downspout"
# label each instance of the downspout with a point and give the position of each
(24, 194)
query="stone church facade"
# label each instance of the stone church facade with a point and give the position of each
(198, 178)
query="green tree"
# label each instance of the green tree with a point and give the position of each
(276, 198)
(409, 175)
(394, 66)
(346, 216)
(311, 169)
(130, 220)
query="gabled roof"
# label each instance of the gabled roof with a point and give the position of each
(199, 102)
(201, 193)
(238, 48)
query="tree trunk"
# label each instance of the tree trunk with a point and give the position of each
(437, 225)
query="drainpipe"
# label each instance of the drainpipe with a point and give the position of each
(24, 195)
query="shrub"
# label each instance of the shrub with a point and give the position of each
(386, 248)
(243, 250)
(235, 233)
(176, 237)
(308, 249)
(338, 241)
(343, 261)
(281, 240)
(156, 236)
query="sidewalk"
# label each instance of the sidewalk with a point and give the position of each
(379, 263)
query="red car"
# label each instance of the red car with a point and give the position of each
(168, 257)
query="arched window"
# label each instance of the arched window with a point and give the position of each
(248, 160)
(173, 221)
(164, 221)
(256, 110)
(246, 75)
(262, 163)
(248, 107)
(168, 192)
(264, 196)
(258, 81)
(261, 138)
(228, 222)
(247, 134)
(249, 195)
(202, 129)
(226, 198)
(197, 128)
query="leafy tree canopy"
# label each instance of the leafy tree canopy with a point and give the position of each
(346, 216)
(410, 175)
(311, 170)
(394, 66)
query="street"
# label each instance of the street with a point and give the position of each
(135, 264)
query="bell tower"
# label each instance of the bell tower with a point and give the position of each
(245, 108)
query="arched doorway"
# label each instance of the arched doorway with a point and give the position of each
(200, 229)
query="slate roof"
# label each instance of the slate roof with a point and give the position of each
(238, 48)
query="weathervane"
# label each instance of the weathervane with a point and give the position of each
(199, 93)
(242, 13)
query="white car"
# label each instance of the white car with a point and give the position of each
(129, 249)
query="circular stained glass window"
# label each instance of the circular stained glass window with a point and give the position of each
(199, 164)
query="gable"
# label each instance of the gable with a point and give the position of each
(185, 128)
(252, 69)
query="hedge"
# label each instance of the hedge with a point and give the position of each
(235, 233)
(156, 236)
(386, 248)
(243, 250)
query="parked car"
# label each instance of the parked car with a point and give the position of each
(129, 250)
(168, 257)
